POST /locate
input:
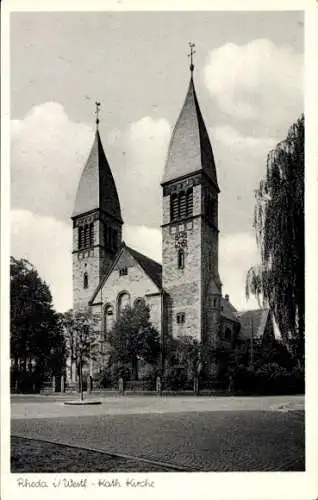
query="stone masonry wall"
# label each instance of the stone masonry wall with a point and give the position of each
(211, 287)
(136, 283)
(183, 286)
(95, 261)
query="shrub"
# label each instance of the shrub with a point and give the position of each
(148, 373)
(112, 373)
(272, 378)
(298, 379)
(176, 378)
(269, 378)
(244, 378)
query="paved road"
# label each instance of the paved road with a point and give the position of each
(44, 457)
(53, 406)
(201, 438)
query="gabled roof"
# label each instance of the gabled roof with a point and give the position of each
(97, 189)
(152, 268)
(228, 311)
(253, 323)
(190, 148)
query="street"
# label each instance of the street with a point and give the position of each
(192, 434)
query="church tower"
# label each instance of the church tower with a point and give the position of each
(190, 234)
(97, 224)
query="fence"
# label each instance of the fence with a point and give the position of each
(139, 385)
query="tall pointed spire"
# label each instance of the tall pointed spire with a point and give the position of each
(97, 189)
(190, 150)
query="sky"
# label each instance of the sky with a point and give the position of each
(249, 81)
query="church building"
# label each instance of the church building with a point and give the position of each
(184, 293)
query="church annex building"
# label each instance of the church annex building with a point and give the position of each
(185, 292)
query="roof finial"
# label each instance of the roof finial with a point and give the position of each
(191, 45)
(97, 110)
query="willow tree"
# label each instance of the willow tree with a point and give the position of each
(279, 227)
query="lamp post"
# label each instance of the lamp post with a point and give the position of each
(252, 341)
(52, 353)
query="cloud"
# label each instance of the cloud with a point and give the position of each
(46, 243)
(230, 137)
(238, 252)
(49, 152)
(257, 81)
(240, 162)
(145, 240)
(140, 152)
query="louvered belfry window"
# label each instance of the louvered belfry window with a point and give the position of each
(86, 236)
(81, 240)
(174, 206)
(182, 205)
(189, 202)
(91, 234)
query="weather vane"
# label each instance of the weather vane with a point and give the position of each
(97, 112)
(191, 45)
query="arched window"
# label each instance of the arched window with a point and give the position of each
(108, 318)
(182, 205)
(173, 206)
(189, 202)
(85, 281)
(180, 318)
(122, 302)
(180, 259)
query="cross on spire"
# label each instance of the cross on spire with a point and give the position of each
(192, 52)
(97, 110)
